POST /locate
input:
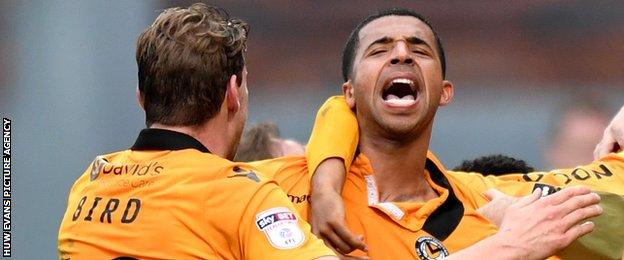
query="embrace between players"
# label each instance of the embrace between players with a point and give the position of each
(368, 168)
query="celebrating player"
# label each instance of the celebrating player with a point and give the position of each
(174, 194)
(397, 194)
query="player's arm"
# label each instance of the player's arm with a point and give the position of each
(272, 229)
(554, 223)
(334, 134)
(613, 137)
(606, 174)
(330, 151)
(604, 242)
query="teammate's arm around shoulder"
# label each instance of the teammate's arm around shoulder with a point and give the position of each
(330, 151)
(536, 228)
(271, 228)
(335, 134)
(605, 174)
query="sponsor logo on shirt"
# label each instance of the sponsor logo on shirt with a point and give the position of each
(244, 173)
(280, 227)
(430, 248)
(101, 166)
(546, 189)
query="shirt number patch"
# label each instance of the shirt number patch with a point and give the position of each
(280, 227)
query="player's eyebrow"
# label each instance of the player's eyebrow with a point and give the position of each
(382, 40)
(416, 41)
(411, 40)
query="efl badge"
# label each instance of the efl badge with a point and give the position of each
(280, 227)
(429, 248)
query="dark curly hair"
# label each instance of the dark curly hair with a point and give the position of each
(494, 165)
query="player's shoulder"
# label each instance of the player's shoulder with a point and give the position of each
(463, 174)
(187, 166)
(280, 161)
(270, 167)
(245, 174)
(469, 181)
(110, 157)
(242, 177)
(243, 182)
(98, 161)
(210, 166)
(195, 158)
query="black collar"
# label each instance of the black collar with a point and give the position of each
(161, 139)
(445, 219)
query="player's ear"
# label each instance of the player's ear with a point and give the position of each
(139, 98)
(347, 90)
(447, 93)
(231, 95)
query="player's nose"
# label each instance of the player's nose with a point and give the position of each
(401, 54)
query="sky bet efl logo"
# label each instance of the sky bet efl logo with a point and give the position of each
(280, 227)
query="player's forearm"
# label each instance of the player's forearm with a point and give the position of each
(329, 177)
(491, 246)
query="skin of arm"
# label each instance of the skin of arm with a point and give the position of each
(327, 183)
(328, 160)
(613, 137)
(555, 222)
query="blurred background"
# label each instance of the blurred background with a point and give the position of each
(533, 79)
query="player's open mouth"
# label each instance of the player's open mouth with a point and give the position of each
(400, 92)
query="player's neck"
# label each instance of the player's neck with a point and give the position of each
(399, 167)
(208, 134)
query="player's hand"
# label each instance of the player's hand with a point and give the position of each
(613, 137)
(328, 215)
(498, 205)
(536, 228)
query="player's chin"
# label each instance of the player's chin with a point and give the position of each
(400, 126)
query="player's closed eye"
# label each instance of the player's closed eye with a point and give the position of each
(378, 51)
(421, 52)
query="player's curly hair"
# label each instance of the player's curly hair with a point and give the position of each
(185, 60)
(495, 165)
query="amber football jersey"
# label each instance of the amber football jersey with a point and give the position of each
(335, 134)
(393, 230)
(422, 230)
(169, 198)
